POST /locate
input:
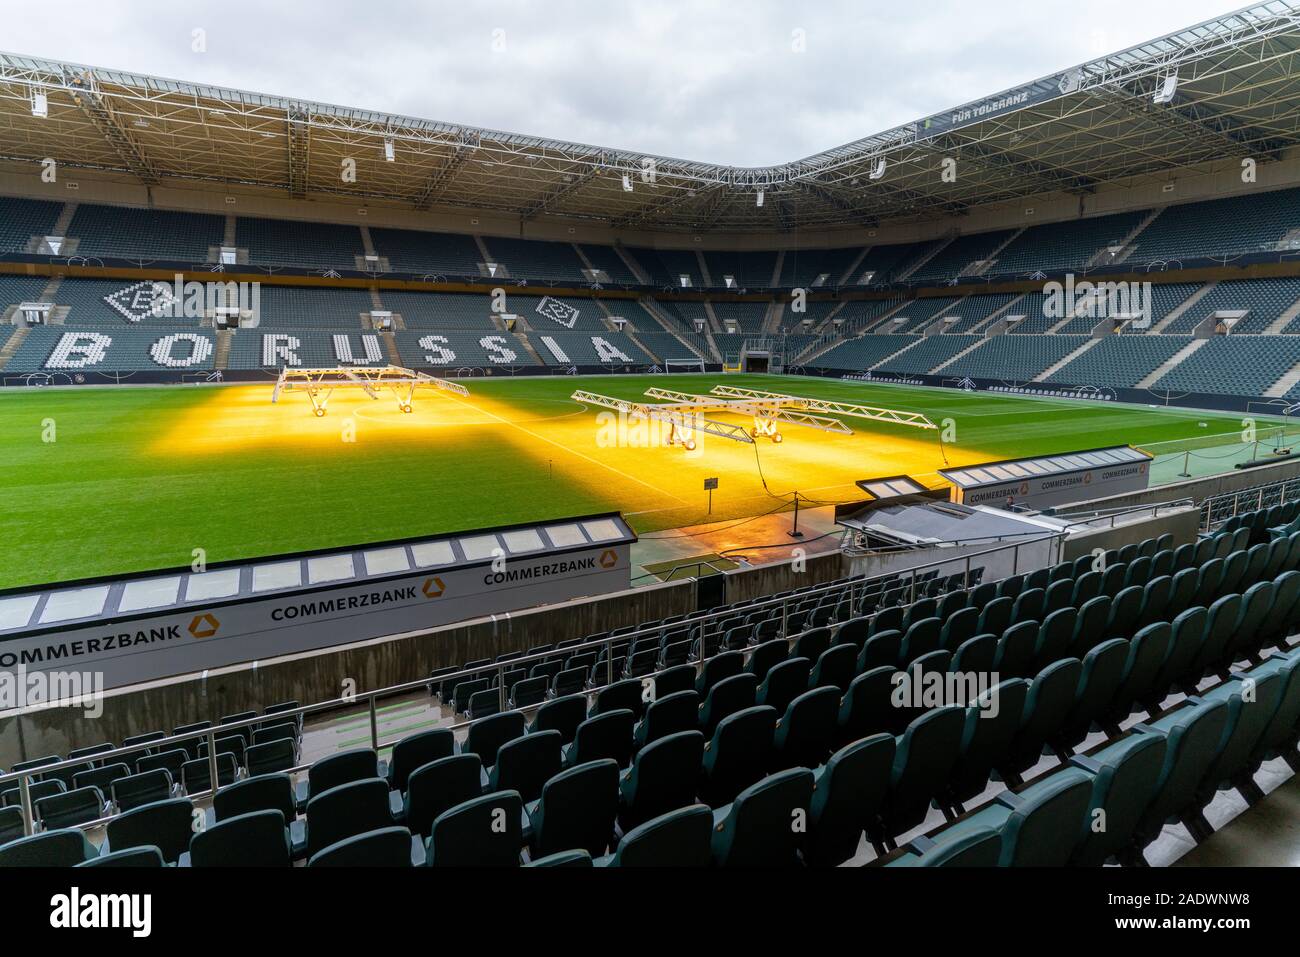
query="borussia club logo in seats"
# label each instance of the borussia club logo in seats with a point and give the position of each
(558, 311)
(204, 626)
(609, 558)
(143, 300)
(433, 588)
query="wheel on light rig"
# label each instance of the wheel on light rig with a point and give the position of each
(777, 438)
(406, 407)
(319, 412)
(689, 445)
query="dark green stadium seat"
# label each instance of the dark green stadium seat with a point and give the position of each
(739, 753)
(1138, 572)
(1224, 613)
(169, 761)
(1124, 779)
(620, 696)
(69, 808)
(1146, 653)
(1187, 635)
(1112, 579)
(976, 655)
(483, 703)
(1090, 625)
(811, 644)
(563, 859)
(1278, 551)
(415, 751)
(144, 788)
(977, 847)
(271, 757)
(1086, 589)
(1039, 826)
(355, 765)
(866, 708)
(36, 791)
(1057, 596)
(1125, 610)
(101, 777)
(1100, 677)
(386, 847)
(1011, 586)
(255, 839)
(675, 679)
(1016, 648)
(346, 810)
(805, 734)
(719, 668)
(132, 857)
(854, 632)
(1192, 735)
(1286, 594)
(1162, 563)
(569, 682)
(880, 649)
(1155, 600)
(606, 735)
(991, 724)
(11, 824)
(167, 825)
(671, 714)
(923, 759)
(576, 810)
(679, 838)
(1028, 606)
(663, 776)
(486, 831)
(266, 792)
(959, 629)
(783, 684)
(836, 668)
(562, 715)
(758, 828)
(1252, 702)
(1210, 579)
(1051, 696)
(486, 736)
(765, 656)
(996, 617)
(1280, 735)
(1182, 592)
(1055, 636)
(921, 638)
(441, 784)
(725, 698)
(1256, 608)
(62, 848)
(847, 793)
(526, 764)
(1234, 573)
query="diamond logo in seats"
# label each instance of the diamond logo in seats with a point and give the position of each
(558, 311)
(143, 300)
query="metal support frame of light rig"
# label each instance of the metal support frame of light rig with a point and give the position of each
(370, 379)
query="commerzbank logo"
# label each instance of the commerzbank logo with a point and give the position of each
(433, 587)
(609, 558)
(204, 626)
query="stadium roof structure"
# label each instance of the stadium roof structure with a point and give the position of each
(1230, 88)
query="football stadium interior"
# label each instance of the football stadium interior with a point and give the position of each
(939, 490)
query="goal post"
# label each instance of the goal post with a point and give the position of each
(684, 365)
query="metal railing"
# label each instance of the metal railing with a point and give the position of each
(1217, 509)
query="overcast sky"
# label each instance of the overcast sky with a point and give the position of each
(747, 82)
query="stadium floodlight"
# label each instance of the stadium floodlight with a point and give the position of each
(758, 200)
(877, 171)
(1166, 92)
(389, 154)
(40, 104)
(627, 183)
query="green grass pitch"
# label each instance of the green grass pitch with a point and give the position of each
(113, 480)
